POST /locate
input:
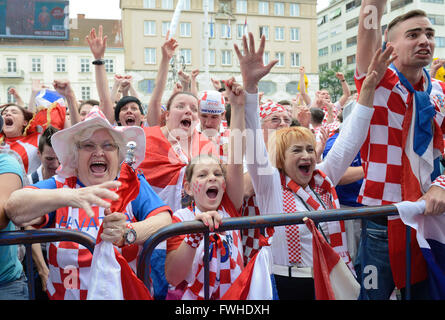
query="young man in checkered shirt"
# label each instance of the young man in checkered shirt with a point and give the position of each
(384, 153)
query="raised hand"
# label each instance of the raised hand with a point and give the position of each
(216, 84)
(97, 43)
(378, 66)
(95, 195)
(63, 87)
(235, 93)
(169, 47)
(251, 63)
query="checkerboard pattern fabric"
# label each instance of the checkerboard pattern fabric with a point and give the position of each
(68, 262)
(440, 182)
(194, 239)
(382, 151)
(268, 108)
(251, 237)
(321, 185)
(226, 256)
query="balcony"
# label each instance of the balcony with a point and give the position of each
(8, 74)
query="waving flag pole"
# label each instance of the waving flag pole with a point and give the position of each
(175, 18)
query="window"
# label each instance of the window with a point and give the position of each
(278, 8)
(241, 6)
(322, 20)
(433, 1)
(263, 7)
(294, 59)
(335, 14)
(226, 57)
(36, 64)
(351, 23)
(84, 64)
(240, 31)
(60, 64)
(323, 35)
(336, 30)
(336, 63)
(211, 29)
(294, 10)
(323, 67)
(186, 5)
(185, 29)
(11, 64)
(149, 4)
(85, 93)
(353, 4)
(150, 55)
(280, 57)
(264, 30)
(266, 58)
(323, 52)
(397, 4)
(146, 85)
(279, 33)
(268, 87)
(350, 59)
(149, 28)
(350, 42)
(336, 47)
(211, 4)
(294, 34)
(212, 57)
(165, 27)
(225, 31)
(436, 19)
(186, 54)
(440, 42)
(109, 65)
(167, 4)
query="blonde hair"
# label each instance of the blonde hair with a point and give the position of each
(281, 139)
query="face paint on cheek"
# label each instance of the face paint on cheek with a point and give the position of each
(197, 187)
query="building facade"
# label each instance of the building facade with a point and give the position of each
(338, 25)
(289, 27)
(25, 60)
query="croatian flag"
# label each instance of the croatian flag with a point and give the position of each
(245, 27)
(332, 278)
(253, 282)
(46, 98)
(111, 277)
(431, 238)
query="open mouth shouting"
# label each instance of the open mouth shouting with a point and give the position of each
(130, 120)
(98, 167)
(186, 123)
(305, 169)
(212, 192)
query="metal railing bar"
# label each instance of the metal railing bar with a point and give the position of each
(255, 222)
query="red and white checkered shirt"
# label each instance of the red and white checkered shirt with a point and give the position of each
(382, 151)
(69, 262)
(226, 257)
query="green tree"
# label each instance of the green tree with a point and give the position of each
(329, 81)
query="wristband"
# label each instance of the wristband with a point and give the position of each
(98, 62)
(343, 80)
(194, 239)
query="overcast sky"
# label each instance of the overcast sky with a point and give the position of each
(109, 9)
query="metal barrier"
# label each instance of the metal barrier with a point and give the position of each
(258, 222)
(28, 237)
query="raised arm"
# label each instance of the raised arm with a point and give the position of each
(154, 106)
(98, 45)
(64, 88)
(28, 206)
(36, 86)
(17, 97)
(234, 180)
(303, 92)
(369, 34)
(355, 128)
(345, 87)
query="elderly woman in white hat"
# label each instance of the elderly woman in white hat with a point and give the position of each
(78, 198)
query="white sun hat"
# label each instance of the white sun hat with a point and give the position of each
(64, 141)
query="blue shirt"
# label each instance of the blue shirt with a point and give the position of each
(348, 193)
(10, 266)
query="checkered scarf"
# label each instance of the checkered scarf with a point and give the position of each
(323, 187)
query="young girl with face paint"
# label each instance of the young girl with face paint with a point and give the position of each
(217, 193)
